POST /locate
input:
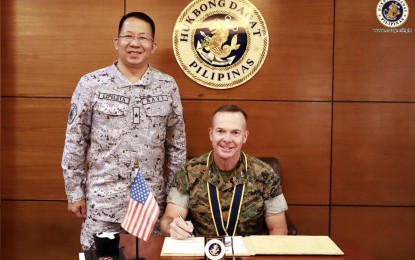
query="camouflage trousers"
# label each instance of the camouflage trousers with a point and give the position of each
(91, 226)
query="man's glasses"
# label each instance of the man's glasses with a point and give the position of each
(129, 38)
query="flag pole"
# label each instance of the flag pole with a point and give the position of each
(136, 238)
(136, 251)
(142, 211)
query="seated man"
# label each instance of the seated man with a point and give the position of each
(225, 192)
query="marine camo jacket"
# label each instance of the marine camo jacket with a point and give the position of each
(113, 122)
(262, 197)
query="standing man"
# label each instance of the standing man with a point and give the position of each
(225, 191)
(125, 113)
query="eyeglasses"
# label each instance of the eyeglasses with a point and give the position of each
(129, 38)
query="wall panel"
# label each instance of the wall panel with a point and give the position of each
(373, 154)
(39, 230)
(371, 66)
(386, 232)
(310, 220)
(33, 135)
(299, 60)
(51, 44)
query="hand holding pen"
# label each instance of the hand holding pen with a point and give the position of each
(188, 224)
(181, 229)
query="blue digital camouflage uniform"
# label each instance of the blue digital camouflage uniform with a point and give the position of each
(263, 194)
(111, 123)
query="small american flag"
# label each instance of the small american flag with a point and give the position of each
(142, 211)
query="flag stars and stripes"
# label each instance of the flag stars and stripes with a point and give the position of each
(143, 210)
(139, 190)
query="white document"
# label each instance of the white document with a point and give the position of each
(195, 246)
(292, 245)
(255, 245)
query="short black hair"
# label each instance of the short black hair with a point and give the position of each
(141, 16)
(231, 108)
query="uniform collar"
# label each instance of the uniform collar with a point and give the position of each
(123, 82)
(212, 174)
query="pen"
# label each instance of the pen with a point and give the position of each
(191, 233)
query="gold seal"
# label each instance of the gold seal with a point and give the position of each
(214, 249)
(220, 44)
(392, 14)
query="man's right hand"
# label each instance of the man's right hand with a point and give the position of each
(78, 209)
(180, 229)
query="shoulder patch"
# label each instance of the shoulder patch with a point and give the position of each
(72, 113)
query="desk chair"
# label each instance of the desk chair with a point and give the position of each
(275, 165)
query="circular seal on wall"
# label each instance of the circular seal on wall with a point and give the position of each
(392, 14)
(220, 44)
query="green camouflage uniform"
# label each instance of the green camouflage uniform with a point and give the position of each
(262, 185)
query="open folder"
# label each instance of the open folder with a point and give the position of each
(257, 245)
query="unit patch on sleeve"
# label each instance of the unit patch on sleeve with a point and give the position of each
(72, 113)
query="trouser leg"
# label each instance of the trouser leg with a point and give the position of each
(92, 226)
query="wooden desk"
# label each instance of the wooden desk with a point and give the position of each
(151, 250)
